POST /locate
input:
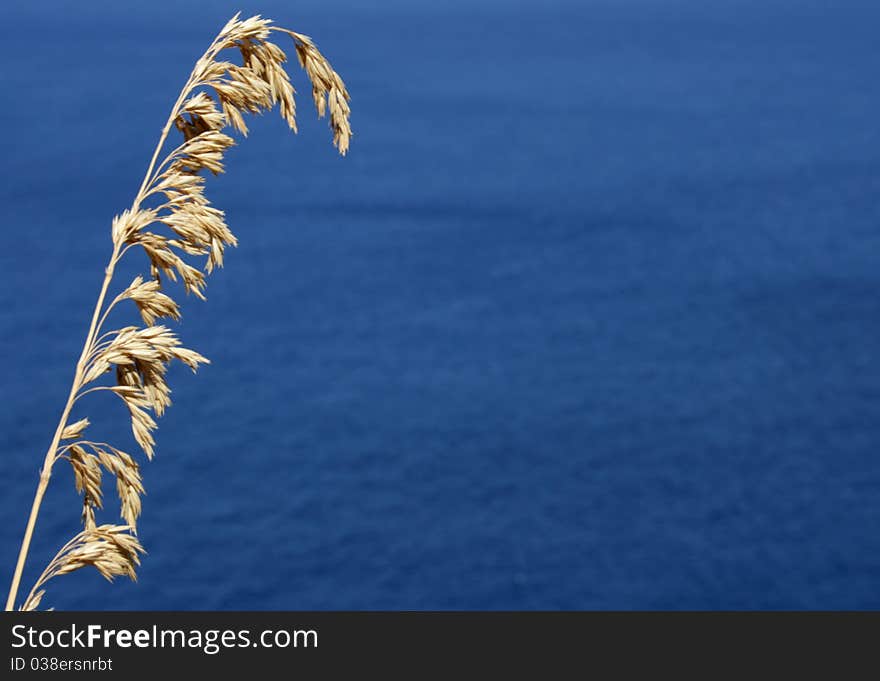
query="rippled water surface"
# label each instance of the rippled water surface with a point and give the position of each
(588, 318)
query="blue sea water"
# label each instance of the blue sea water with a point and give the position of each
(587, 319)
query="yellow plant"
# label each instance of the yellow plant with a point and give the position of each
(171, 198)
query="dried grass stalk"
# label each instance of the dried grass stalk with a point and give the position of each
(171, 221)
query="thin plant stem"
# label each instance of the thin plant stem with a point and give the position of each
(145, 353)
(49, 461)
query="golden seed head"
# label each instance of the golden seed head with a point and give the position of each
(218, 95)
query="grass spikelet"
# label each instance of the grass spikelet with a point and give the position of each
(171, 222)
(74, 430)
(87, 477)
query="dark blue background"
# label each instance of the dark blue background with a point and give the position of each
(588, 318)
